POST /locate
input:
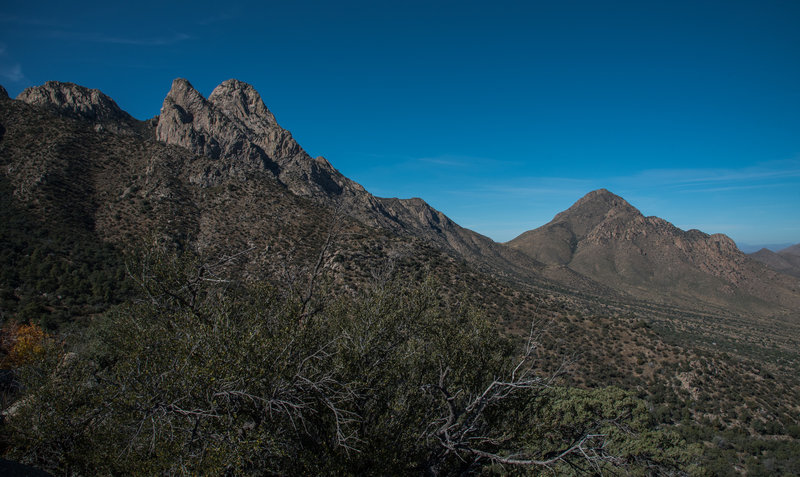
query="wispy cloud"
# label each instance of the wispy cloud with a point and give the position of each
(464, 162)
(12, 72)
(528, 187)
(9, 69)
(153, 41)
(222, 17)
(767, 174)
(744, 187)
(28, 21)
(121, 40)
(444, 162)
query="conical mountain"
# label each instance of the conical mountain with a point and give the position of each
(556, 242)
(604, 238)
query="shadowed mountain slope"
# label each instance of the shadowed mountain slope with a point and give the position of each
(606, 239)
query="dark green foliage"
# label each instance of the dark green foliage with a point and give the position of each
(731, 451)
(51, 274)
(206, 375)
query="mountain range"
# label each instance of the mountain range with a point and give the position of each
(600, 246)
(709, 334)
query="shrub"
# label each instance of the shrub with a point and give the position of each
(206, 375)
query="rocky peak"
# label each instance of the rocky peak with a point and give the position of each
(240, 100)
(600, 202)
(187, 119)
(233, 125)
(183, 95)
(3, 93)
(593, 209)
(76, 101)
(725, 244)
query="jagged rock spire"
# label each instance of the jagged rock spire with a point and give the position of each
(240, 100)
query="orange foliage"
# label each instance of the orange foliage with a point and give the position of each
(21, 343)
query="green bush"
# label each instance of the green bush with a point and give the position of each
(205, 375)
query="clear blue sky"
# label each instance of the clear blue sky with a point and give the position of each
(500, 114)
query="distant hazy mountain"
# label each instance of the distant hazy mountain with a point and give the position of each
(603, 237)
(785, 261)
(751, 248)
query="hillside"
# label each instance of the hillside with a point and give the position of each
(85, 185)
(604, 238)
(77, 171)
(785, 261)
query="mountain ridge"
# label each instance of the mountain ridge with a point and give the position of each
(601, 245)
(79, 102)
(605, 238)
(720, 364)
(786, 260)
(235, 125)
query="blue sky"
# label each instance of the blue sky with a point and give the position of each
(500, 114)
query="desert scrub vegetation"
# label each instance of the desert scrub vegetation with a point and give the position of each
(53, 274)
(204, 374)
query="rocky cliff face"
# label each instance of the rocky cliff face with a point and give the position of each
(79, 102)
(234, 126)
(606, 239)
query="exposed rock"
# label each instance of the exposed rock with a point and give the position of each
(79, 102)
(3, 93)
(233, 125)
(241, 101)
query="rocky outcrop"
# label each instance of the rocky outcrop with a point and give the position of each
(234, 126)
(80, 102)
(3, 93)
(190, 121)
